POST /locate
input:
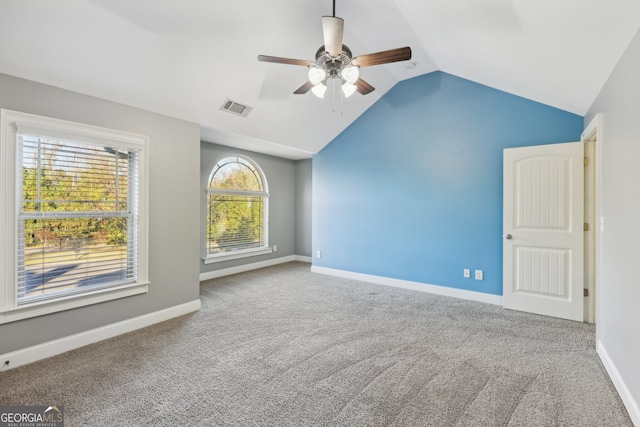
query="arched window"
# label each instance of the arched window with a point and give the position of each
(237, 208)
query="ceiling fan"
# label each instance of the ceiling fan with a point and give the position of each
(335, 61)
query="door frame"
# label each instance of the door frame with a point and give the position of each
(592, 138)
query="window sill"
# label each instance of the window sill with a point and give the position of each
(236, 255)
(72, 301)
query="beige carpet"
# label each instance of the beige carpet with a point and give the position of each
(284, 347)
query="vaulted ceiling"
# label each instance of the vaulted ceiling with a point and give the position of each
(185, 58)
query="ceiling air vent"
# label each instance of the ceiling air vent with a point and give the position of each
(236, 108)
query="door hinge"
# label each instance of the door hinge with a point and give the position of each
(586, 292)
(586, 226)
(586, 161)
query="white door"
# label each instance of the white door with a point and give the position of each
(543, 229)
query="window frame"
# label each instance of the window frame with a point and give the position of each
(11, 124)
(240, 253)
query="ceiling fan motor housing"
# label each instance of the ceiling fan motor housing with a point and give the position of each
(333, 66)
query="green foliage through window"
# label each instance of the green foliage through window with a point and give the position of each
(75, 220)
(236, 207)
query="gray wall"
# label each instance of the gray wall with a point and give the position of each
(619, 281)
(288, 182)
(303, 207)
(173, 205)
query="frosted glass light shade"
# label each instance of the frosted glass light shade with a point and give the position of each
(316, 75)
(348, 89)
(351, 74)
(319, 90)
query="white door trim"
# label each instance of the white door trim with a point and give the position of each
(593, 132)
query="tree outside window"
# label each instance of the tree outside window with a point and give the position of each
(236, 207)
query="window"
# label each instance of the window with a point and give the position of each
(76, 216)
(237, 207)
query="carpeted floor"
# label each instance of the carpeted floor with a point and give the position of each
(284, 347)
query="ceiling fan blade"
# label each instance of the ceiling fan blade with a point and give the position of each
(332, 29)
(384, 57)
(289, 61)
(364, 87)
(304, 88)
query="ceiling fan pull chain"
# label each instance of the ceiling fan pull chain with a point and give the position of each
(333, 96)
(342, 98)
(336, 102)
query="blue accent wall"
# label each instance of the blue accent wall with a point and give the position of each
(412, 190)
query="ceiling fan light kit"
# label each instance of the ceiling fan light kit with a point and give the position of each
(348, 89)
(350, 74)
(335, 61)
(319, 90)
(317, 75)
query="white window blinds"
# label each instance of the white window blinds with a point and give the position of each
(77, 215)
(236, 222)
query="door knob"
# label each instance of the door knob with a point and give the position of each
(508, 237)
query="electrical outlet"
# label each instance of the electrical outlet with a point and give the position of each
(275, 248)
(318, 254)
(479, 275)
(466, 273)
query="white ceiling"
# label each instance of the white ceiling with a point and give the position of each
(185, 58)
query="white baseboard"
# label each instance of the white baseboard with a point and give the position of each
(415, 286)
(627, 398)
(61, 345)
(253, 266)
